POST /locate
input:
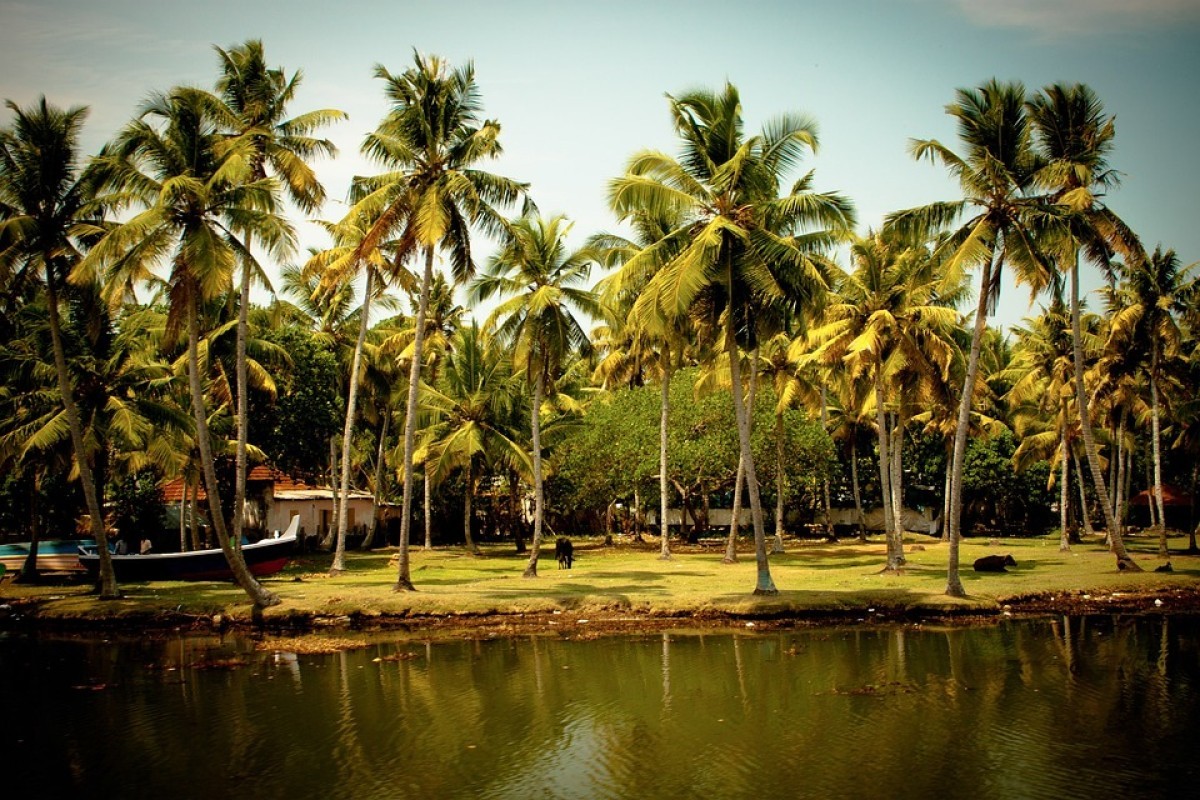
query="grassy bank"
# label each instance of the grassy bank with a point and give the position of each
(629, 582)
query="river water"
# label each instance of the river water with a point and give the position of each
(1097, 707)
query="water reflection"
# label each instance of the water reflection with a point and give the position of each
(1059, 707)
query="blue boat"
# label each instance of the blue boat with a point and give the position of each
(54, 555)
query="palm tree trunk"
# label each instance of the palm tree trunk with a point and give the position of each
(1120, 488)
(860, 517)
(428, 510)
(339, 555)
(468, 512)
(735, 514)
(897, 545)
(777, 547)
(885, 472)
(1085, 512)
(1089, 440)
(260, 597)
(108, 580)
(243, 389)
(373, 524)
(404, 579)
(1064, 536)
(763, 583)
(954, 587)
(331, 529)
(825, 484)
(663, 417)
(183, 518)
(194, 506)
(1164, 552)
(538, 498)
(29, 570)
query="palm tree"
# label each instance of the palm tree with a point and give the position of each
(539, 321)
(740, 245)
(431, 144)
(887, 321)
(199, 200)
(1075, 138)
(42, 197)
(471, 407)
(1156, 291)
(337, 267)
(255, 99)
(996, 174)
(655, 346)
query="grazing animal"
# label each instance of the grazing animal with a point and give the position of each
(994, 563)
(1164, 568)
(564, 551)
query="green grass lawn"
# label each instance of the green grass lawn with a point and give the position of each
(631, 579)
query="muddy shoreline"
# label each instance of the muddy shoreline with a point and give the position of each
(26, 616)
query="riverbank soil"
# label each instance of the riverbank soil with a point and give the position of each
(626, 587)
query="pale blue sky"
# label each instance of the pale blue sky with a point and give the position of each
(578, 87)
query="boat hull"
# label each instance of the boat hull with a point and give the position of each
(265, 557)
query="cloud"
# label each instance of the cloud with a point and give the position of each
(1054, 19)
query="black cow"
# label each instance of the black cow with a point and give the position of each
(564, 551)
(994, 563)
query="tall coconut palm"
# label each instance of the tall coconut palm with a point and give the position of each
(1157, 291)
(42, 197)
(431, 144)
(656, 345)
(996, 174)
(199, 200)
(540, 320)
(742, 243)
(255, 99)
(1075, 139)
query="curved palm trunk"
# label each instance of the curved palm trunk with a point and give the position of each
(663, 496)
(339, 555)
(108, 579)
(404, 579)
(954, 587)
(1089, 441)
(260, 597)
(763, 584)
(539, 508)
(1155, 434)
(373, 524)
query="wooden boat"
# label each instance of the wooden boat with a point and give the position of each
(54, 555)
(265, 557)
